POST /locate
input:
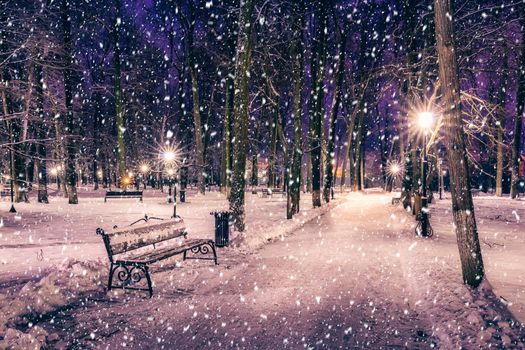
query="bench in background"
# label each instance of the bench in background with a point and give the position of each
(123, 194)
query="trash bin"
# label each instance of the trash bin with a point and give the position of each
(222, 228)
(182, 196)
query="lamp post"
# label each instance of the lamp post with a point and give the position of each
(170, 180)
(12, 195)
(425, 121)
(171, 156)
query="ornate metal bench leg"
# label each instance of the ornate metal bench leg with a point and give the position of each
(111, 272)
(214, 252)
(148, 278)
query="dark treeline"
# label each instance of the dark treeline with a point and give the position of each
(310, 94)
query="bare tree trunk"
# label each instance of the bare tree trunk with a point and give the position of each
(71, 147)
(97, 104)
(273, 146)
(241, 112)
(14, 135)
(308, 173)
(294, 191)
(227, 137)
(329, 173)
(317, 105)
(501, 127)
(462, 205)
(357, 184)
(200, 161)
(349, 159)
(409, 158)
(119, 110)
(41, 133)
(518, 124)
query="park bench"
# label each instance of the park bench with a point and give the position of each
(123, 194)
(132, 249)
(277, 191)
(396, 199)
(269, 192)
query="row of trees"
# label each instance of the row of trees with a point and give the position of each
(313, 89)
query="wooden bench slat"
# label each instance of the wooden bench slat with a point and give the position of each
(124, 194)
(127, 264)
(164, 253)
(134, 237)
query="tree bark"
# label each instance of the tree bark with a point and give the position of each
(119, 110)
(197, 119)
(227, 137)
(241, 113)
(329, 172)
(317, 104)
(501, 126)
(97, 107)
(41, 135)
(294, 191)
(349, 157)
(71, 147)
(254, 181)
(462, 204)
(410, 181)
(518, 123)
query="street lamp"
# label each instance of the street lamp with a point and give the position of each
(126, 181)
(169, 156)
(394, 170)
(12, 209)
(425, 122)
(170, 177)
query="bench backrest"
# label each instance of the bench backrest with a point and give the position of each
(125, 193)
(129, 238)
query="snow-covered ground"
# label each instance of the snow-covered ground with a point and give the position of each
(501, 226)
(354, 277)
(43, 235)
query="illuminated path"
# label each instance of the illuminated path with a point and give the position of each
(355, 278)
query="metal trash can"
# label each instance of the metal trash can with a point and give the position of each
(222, 228)
(182, 196)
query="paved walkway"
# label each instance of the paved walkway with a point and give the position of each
(355, 278)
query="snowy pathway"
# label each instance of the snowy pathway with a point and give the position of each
(355, 278)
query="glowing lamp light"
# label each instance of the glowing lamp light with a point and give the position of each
(144, 168)
(54, 171)
(169, 156)
(126, 180)
(171, 172)
(395, 169)
(425, 120)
